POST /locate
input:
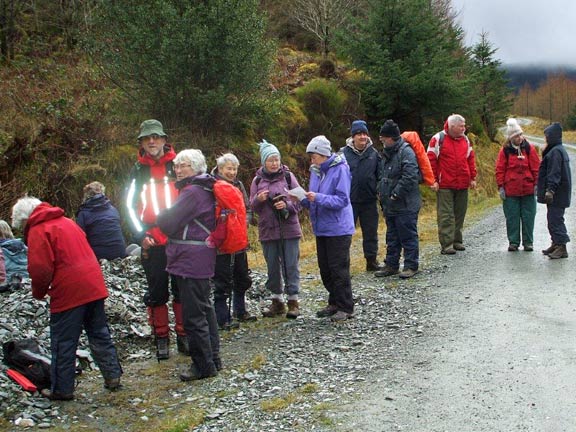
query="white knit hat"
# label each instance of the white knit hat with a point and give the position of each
(320, 145)
(513, 128)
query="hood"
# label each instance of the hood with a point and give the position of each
(332, 161)
(145, 159)
(44, 212)
(12, 246)
(214, 173)
(98, 200)
(350, 143)
(202, 180)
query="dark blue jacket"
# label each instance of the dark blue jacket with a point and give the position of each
(555, 175)
(364, 167)
(101, 222)
(399, 191)
(15, 257)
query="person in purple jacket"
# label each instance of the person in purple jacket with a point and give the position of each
(333, 224)
(192, 262)
(278, 229)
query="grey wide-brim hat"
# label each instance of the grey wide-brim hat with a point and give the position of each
(151, 127)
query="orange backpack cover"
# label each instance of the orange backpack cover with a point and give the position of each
(413, 139)
(231, 229)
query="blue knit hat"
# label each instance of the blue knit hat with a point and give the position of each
(358, 126)
(266, 150)
(553, 133)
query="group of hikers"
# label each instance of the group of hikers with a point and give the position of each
(170, 207)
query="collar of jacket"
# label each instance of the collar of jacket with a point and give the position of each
(350, 143)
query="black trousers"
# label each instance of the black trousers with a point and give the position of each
(154, 262)
(199, 322)
(334, 263)
(231, 278)
(367, 212)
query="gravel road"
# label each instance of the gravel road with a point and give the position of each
(499, 350)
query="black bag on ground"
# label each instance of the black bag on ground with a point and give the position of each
(26, 357)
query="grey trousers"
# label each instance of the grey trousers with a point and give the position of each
(282, 258)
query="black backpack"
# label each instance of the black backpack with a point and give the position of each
(26, 357)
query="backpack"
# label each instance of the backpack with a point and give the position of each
(26, 357)
(440, 140)
(426, 173)
(231, 232)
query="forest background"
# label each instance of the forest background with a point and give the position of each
(77, 77)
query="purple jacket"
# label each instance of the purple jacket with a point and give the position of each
(268, 219)
(331, 212)
(190, 260)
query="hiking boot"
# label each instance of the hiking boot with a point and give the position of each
(276, 308)
(293, 309)
(386, 271)
(459, 247)
(340, 316)
(551, 249)
(217, 363)
(56, 396)
(162, 348)
(327, 311)
(528, 248)
(512, 248)
(231, 325)
(246, 317)
(407, 273)
(448, 251)
(191, 373)
(559, 252)
(183, 344)
(372, 264)
(112, 384)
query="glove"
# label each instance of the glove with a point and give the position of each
(549, 197)
(502, 193)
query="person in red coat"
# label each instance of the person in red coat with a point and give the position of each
(516, 176)
(63, 266)
(453, 163)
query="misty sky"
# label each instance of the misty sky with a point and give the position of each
(524, 31)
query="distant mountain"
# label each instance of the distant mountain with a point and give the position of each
(534, 75)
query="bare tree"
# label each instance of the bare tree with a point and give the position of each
(321, 17)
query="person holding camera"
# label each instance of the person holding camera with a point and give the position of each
(279, 230)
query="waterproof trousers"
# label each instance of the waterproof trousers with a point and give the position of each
(367, 213)
(451, 206)
(520, 213)
(199, 322)
(402, 234)
(557, 225)
(65, 330)
(231, 277)
(334, 262)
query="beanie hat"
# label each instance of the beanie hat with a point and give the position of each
(553, 133)
(513, 128)
(390, 129)
(319, 145)
(151, 127)
(266, 150)
(358, 126)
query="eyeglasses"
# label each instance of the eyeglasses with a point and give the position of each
(182, 166)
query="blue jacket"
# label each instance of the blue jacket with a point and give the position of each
(399, 191)
(331, 212)
(555, 175)
(15, 257)
(100, 220)
(365, 169)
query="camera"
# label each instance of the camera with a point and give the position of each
(282, 213)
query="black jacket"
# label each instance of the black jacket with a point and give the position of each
(555, 175)
(365, 173)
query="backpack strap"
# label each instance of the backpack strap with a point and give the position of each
(287, 177)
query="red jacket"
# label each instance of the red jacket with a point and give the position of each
(61, 263)
(453, 163)
(517, 175)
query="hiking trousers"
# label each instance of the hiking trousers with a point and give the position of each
(367, 213)
(451, 206)
(334, 262)
(520, 213)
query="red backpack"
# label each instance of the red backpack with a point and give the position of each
(231, 232)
